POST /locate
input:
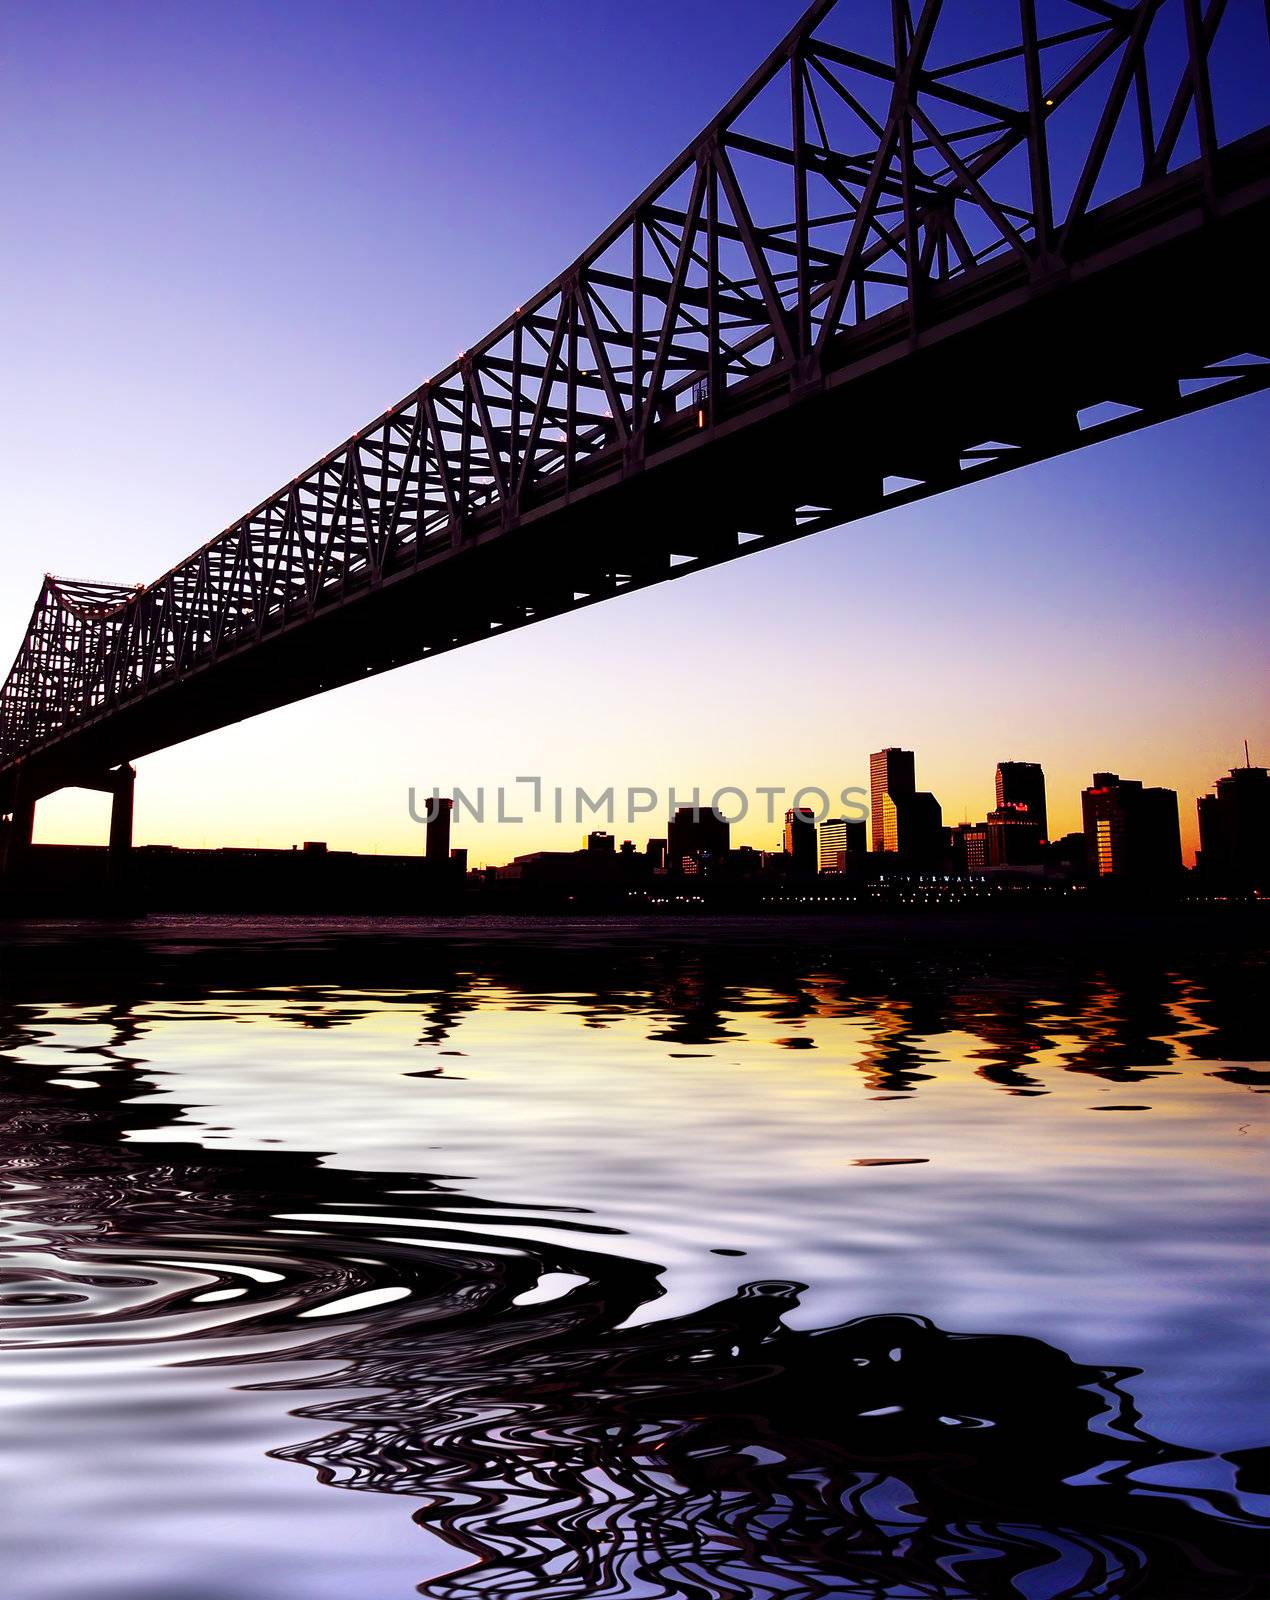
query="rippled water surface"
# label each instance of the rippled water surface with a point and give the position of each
(572, 1263)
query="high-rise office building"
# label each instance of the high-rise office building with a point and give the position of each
(437, 837)
(800, 841)
(913, 828)
(840, 841)
(1022, 783)
(1234, 830)
(696, 840)
(890, 775)
(1131, 833)
(599, 843)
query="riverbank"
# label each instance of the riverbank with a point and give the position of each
(253, 951)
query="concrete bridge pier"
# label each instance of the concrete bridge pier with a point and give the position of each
(119, 783)
(18, 830)
(121, 812)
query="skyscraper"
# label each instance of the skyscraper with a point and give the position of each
(437, 838)
(1131, 833)
(1022, 783)
(890, 775)
(800, 841)
(916, 824)
(1234, 830)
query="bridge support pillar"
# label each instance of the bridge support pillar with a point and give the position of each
(119, 783)
(18, 832)
(121, 792)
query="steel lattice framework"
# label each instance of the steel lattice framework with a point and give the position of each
(908, 252)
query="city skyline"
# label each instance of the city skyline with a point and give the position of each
(1129, 844)
(1129, 832)
(1101, 610)
(81, 816)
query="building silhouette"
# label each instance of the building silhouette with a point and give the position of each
(696, 840)
(600, 843)
(745, 862)
(840, 841)
(1022, 783)
(1234, 830)
(437, 840)
(968, 842)
(1131, 832)
(800, 841)
(915, 822)
(1013, 835)
(890, 777)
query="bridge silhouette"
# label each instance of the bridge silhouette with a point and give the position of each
(920, 246)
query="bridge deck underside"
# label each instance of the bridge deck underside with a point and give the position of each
(998, 376)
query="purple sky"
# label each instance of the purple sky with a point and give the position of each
(234, 233)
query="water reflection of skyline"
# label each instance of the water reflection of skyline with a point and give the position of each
(587, 1441)
(1121, 1022)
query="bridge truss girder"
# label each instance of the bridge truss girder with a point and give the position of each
(895, 262)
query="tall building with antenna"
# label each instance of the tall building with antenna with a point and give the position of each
(1234, 829)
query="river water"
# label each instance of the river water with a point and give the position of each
(596, 1260)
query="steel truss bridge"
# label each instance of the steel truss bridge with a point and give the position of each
(927, 242)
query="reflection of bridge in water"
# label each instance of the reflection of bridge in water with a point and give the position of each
(913, 251)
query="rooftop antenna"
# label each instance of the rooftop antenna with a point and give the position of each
(1247, 758)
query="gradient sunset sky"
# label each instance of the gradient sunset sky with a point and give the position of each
(234, 233)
